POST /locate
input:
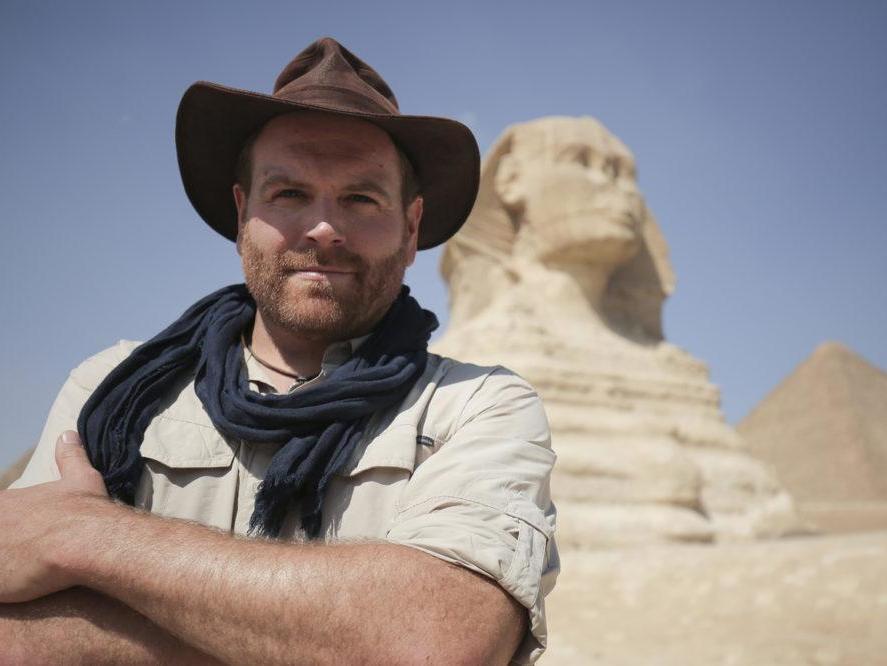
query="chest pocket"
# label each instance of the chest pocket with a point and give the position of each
(188, 473)
(362, 498)
(395, 447)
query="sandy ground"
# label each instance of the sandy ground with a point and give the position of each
(814, 600)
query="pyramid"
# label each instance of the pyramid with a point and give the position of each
(11, 474)
(824, 430)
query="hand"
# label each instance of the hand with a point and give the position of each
(38, 523)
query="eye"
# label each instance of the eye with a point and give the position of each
(574, 155)
(290, 193)
(611, 169)
(361, 199)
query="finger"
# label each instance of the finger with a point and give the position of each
(75, 467)
(69, 454)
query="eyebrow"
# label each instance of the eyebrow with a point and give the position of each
(276, 176)
(367, 185)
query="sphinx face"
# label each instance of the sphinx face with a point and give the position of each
(578, 200)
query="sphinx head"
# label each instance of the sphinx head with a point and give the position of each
(571, 189)
(562, 193)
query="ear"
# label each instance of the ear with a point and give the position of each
(240, 198)
(507, 182)
(413, 220)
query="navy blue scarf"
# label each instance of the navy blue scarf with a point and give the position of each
(319, 425)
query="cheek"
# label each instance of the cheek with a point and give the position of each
(263, 234)
(377, 237)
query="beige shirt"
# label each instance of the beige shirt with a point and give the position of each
(460, 469)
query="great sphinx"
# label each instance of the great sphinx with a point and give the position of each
(561, 273)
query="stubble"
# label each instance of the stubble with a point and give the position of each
(322, 310)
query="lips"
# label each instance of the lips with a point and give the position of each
(312, 260)
(323, 269)
(320, 273)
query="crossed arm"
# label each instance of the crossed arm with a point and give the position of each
(142, 589)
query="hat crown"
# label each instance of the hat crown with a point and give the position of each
(326, 70)
(214, 122)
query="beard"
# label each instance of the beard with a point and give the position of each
(322, 310)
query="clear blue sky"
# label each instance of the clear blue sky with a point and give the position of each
(758, 127)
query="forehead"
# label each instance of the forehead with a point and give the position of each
(327, 137)
(551, 136)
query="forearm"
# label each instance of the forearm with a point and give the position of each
(80, 626)
(250, 601)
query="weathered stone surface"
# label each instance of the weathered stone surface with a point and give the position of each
(814, 600)
(824, 430)
(560, 273)
(591, 525)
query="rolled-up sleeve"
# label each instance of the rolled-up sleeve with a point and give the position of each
(482, 500)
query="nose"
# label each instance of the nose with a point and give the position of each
(325, 234)
(325, 229)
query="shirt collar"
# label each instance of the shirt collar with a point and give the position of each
(334, 356)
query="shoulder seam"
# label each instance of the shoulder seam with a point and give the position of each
(459, 421)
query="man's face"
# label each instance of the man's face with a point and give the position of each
(323, 233)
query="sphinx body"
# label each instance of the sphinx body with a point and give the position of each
(560, 273)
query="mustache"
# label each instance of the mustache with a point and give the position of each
(338, 258)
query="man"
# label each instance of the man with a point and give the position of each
(404, 495)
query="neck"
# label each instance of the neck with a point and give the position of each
(289, 351)
(593, 280)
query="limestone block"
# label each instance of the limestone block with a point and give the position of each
(593, 525)
(732, 479)
(626, 469)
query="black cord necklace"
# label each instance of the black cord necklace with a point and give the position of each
(286, 373)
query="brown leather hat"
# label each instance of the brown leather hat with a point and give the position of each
(214, 121)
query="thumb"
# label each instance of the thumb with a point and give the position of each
(70, 456)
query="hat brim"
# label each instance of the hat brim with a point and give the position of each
(214, 121)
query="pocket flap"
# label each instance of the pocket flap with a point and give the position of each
(393, 447)
(184, 444)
